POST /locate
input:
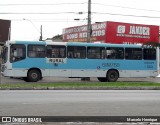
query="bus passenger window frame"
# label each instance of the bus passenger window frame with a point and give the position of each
(17, 52)
(55, 51)
(33, 52)
(149, 54)
(115, 53)
(96, 52)
(133, 54)
(76, 52)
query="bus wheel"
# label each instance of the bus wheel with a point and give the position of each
(102, 79)
(33, 75)
(25, 79)
(112, 75)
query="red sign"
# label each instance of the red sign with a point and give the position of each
(113, 32)
(79, 33)
(131, 33)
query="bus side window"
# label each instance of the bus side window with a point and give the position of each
(18, 52)
(149, 54)
(36, 51)
(55, 51)
(133, 53)
(115, 53)
(31, 54)
(96, 52)
(49, 53)
(76, 52)
(70, 55)
(103, 54)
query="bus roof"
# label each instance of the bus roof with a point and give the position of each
(75, 44)
(103, 44)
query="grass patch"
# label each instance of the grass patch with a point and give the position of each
(79, 85)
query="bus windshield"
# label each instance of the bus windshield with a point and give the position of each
(4, 54)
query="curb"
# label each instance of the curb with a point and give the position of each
(85, 88)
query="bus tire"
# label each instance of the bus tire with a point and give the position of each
(33, 75)
(102, 79)
(25, 79)
(112, 75)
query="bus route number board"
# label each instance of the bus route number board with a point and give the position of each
(56, 60)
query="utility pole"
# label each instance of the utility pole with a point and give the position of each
(40, 38)
(88, 32)
(89, 22)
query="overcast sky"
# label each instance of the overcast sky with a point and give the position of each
(54, 15)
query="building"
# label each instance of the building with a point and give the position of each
(4, 30)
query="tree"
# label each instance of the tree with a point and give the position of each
(152, 44)
(57, 37)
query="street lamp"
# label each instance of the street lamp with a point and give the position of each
(39, 31)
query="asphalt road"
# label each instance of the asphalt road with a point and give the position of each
(79, 103)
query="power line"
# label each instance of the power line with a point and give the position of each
(50, 4)
(50, 13)
(99, 13)
(48, 20)
(125, 7)
(53, 4)
(32, 24)
(125, 15)
(40, 13)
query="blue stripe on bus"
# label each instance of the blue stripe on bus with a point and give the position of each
(87, 64)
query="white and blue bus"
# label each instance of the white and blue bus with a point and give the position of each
(33, 60)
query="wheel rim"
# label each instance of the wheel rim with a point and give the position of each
(113, 76)
(34, 75)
